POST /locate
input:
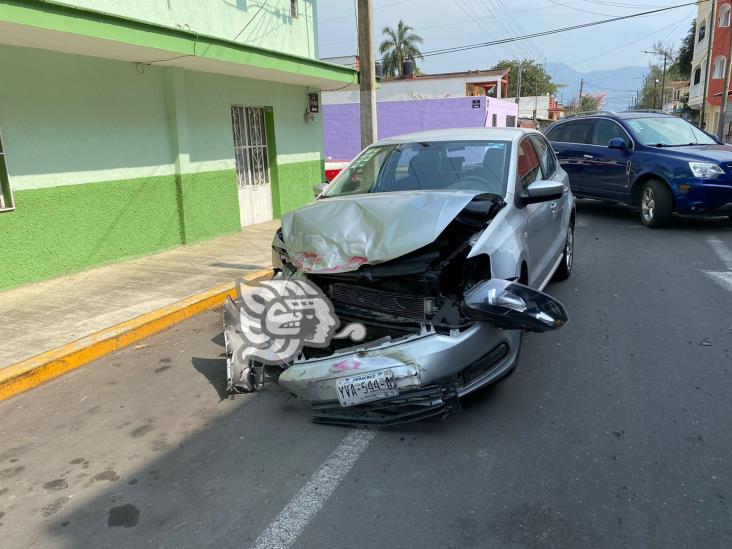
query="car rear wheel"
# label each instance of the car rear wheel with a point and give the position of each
(656, 204)
(565, 266)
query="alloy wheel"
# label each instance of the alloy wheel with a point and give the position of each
(569, 249)
(648, 205)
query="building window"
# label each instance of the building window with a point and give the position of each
(510, 121)
(702, 32)
(719, 65)
(697, 75)
(250, 146)
(724, 15)
(495, 120)
(293, 8)
(6, 196)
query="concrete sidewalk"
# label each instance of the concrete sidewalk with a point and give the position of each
(46, 315)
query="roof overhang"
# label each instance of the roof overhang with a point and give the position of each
(61, 28)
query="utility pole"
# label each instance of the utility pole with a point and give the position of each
(709, 64)
(663, 75)
(582, 87)
(655, 84)
(367, 72)
(725, 95)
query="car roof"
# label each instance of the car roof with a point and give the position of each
(625, 115)
(458, 134)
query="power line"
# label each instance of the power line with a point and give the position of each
(553, 31)
(251, 20)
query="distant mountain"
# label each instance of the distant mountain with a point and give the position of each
(619, 84)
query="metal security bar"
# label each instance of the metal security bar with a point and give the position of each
(250, 146)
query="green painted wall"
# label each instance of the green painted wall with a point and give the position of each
(272, 29)
(296, 184)
(68, 228)
(93, 152)
(210, 204)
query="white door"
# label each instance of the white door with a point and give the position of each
(252, 164)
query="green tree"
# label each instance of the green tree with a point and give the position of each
(682, 62)
(592, 102)
(534, 79)
(397, 46)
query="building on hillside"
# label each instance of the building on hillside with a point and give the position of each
(538, 110)
(341, 121)
(130, 127)
(704, 31)
(675, 92)
(719, 58)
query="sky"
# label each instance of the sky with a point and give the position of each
(445, 23)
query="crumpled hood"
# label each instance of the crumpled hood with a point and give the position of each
(336, 235)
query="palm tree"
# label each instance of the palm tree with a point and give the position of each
(399, 45)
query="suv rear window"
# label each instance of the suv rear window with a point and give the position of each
(577, 131)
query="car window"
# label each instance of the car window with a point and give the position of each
(546, 156)
(433, 165)
(577, 131)
(605, 130)
(529, 167)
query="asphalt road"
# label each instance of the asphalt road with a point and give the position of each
(615, 431)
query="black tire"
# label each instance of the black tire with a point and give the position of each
(656, 204)
(565, 266)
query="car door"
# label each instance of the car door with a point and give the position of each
(606, 171)
(570, 141)
(538, 233)
(559, 208)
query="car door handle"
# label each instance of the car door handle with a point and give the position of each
(588, 156)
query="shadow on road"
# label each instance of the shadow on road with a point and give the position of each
(607, 211)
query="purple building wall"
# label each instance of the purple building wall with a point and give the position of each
(341, 133)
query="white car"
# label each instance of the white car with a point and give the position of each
(439, 243)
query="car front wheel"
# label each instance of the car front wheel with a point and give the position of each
(656, 204)
(565, 266)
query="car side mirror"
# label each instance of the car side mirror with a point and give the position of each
(513, 306)
(319, 189)
(617, 143)
(543, 191)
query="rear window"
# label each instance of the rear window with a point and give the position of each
(571, 132)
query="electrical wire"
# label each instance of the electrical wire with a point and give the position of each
(251, 20)
(466, 47)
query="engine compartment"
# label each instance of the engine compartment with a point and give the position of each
(400, 297)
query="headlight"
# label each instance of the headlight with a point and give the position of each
(705, 169)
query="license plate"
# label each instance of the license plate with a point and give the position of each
(366, 388)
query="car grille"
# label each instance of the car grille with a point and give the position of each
(402, 305)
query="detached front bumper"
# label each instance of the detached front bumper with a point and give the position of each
(416, 362)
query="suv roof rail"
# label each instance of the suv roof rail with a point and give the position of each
(588, 113)
(657, 111)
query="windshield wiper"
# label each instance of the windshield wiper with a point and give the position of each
(679, 145)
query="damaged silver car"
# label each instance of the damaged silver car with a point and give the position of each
(439, 244)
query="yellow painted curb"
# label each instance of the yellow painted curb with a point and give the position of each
(32, 372)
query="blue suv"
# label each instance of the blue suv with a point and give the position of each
(655, 161)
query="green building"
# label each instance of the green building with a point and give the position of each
(139, 125)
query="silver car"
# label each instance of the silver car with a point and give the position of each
(439, 244)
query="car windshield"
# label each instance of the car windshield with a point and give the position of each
(454, 165)
(667, 132)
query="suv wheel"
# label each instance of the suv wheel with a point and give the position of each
(565, 266)
(656, 204)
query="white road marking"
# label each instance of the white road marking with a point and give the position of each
(722, 251)
(303, 507)
(722, 278)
